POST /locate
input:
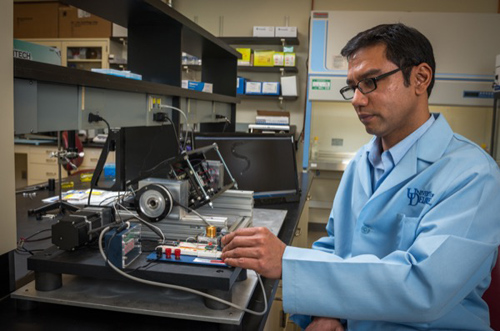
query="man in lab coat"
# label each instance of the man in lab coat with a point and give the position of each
(415, 225)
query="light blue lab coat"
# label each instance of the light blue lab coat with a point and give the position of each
(416, 254)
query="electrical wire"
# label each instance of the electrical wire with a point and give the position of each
(175, 133)
(194, 212)
(154, 228)
(182, 288)
(187, 122)
(100, 118)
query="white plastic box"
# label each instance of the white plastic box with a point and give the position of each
(289, 86)
(286, 31)
(263, 31)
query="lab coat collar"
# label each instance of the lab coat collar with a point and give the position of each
(430, 147)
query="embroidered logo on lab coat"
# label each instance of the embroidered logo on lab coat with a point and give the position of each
(417, 196)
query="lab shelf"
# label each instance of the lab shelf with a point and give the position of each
(260, 40)
(38, 71)
(267, 97)
(268, 69)
(158, 34)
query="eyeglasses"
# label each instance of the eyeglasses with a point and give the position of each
(364, 86)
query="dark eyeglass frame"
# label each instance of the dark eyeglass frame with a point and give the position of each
(371, 80)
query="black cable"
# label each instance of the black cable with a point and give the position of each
(175, 133)
(96, 118)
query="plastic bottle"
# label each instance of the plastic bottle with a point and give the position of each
(315, 148)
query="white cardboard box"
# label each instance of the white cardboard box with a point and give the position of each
(289, 86)
(263, 31)
(271, 88)
(285, 31)
(253, 87)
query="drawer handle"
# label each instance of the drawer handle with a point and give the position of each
(298, 232)
(94, 159)
(50, 160)
(50, 173)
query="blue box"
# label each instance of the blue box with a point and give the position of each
(270, 88)
(240, 85)
(110, 171)
(197, 86)
(253, 87)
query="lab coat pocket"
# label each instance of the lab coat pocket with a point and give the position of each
(407, 231)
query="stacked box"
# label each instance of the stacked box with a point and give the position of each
(240, 85)
(253, 87)
(263, 58)
(246, 56)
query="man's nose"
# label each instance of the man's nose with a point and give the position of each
(359, 99)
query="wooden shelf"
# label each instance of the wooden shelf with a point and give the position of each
(260, 40)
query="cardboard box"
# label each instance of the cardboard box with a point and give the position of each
(240, 85)
(197, 86)
(253, 87)
(246, 56)
(263, 58)
(36, 20)
(263, 31)
(289, 59)
(278, 113)
(279, 59)
(286, 31)
(289, 86)
(76, 23)
(270, 88)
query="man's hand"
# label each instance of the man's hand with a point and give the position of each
(254, 248)
(325, 324)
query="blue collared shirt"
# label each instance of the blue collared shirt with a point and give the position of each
(383, 163)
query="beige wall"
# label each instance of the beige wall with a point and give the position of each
(236, 18)
(7, 201)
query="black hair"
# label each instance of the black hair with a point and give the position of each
(406, 47)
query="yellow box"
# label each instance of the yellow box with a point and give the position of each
(279, 59)
(289, 59)
(245, 53)
(263, 58)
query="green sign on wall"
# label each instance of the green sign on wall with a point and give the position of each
(321, 84)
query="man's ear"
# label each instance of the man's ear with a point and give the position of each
(422, 78)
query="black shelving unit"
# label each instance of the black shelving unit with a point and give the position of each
(267, 97)
(268, 69)
(260, 40)
(157, 36)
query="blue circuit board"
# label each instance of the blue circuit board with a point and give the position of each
(188, 259)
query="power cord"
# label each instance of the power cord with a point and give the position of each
(182, 288)
(187, 122)
(96, 118)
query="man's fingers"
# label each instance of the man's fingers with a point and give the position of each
(241, 239)
(244, 262)
(250, 252)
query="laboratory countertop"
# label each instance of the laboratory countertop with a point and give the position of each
(15, 315)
